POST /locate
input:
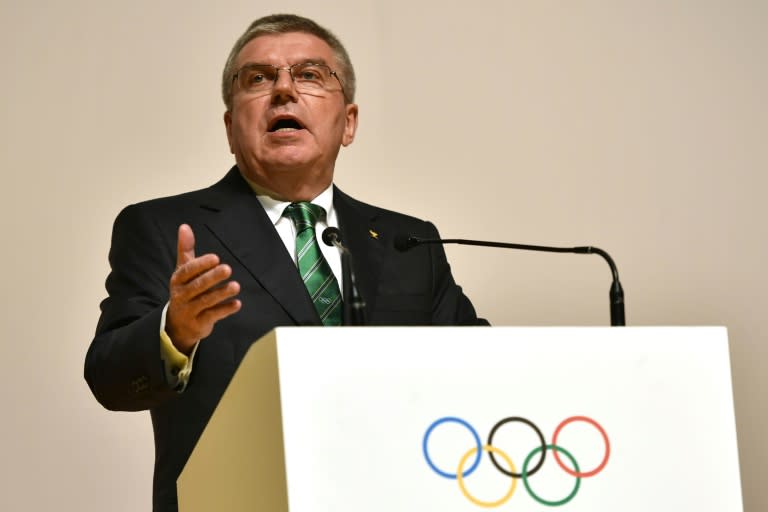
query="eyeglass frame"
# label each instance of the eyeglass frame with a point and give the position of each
(289, 69)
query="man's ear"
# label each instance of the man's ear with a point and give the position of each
(351, 124)
(228, 126)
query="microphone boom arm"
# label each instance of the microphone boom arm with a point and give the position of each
(616, 293)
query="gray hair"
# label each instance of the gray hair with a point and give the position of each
(283, 24)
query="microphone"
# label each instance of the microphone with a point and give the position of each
(404, 242)
(354, 305)
(616, 294)
(332, 237)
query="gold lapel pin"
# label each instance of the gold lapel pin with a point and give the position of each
(373, 234)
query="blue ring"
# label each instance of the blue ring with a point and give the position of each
(477, 442)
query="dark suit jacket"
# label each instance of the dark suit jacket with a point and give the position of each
(123, 365)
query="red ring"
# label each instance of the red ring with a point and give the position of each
(582, 474)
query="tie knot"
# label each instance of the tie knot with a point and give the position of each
(304, 215)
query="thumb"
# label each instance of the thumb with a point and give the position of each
(186, 245)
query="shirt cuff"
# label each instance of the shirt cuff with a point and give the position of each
(177, 365)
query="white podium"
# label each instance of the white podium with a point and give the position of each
(406, 419)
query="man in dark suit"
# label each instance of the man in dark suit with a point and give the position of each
(197, 277)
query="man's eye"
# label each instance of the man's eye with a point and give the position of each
(310, 74)
(256, 78)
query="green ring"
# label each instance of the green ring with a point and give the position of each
(524, 472)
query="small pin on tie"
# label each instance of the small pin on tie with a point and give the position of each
(373, 234)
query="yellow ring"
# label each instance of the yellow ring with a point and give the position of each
(460, 478)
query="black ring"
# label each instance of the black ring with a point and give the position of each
(538, 432)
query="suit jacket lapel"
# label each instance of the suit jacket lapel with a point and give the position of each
(357, 224)
(241, 224)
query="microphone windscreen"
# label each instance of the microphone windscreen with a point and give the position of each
(331, 235)
(404, 242)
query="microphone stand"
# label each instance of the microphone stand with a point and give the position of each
(616, 293)
(353, 304)
(346, 287)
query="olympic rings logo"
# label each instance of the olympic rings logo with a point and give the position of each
(524, 473)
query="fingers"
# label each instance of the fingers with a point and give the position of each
(212, 296)
(185, 251)
(194, 276)
(220, 311)
(196, 305)
(198, 276)
(201, 293)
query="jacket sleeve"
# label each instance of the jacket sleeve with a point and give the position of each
(123, 366)
(450, 305)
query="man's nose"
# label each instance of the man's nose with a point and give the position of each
(284, 88)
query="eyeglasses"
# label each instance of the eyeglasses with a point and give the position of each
(306, 76)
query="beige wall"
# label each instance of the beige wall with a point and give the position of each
(637, 126)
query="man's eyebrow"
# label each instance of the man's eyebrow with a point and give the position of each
(317, 60)
(312, 60)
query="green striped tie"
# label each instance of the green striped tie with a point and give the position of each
(314, 269)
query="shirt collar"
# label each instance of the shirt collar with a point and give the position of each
(275, 207)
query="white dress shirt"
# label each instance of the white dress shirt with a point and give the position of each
(287, 230)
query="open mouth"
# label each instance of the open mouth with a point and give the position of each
(285, 124)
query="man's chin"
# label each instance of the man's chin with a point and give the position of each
(288, 165)
(289, 158)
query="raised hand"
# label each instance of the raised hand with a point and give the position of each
(201, 294)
